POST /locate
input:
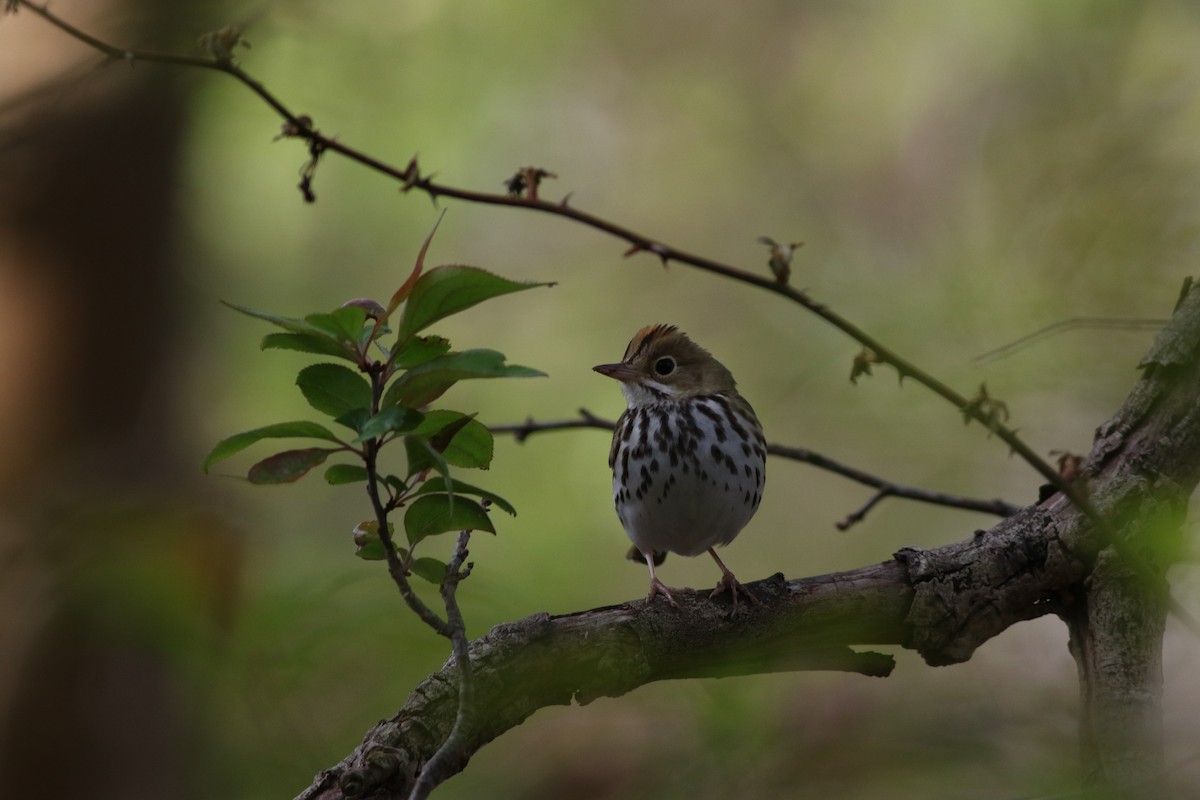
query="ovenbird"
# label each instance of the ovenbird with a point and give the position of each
(688, 455)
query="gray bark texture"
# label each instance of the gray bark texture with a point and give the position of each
(943, 603)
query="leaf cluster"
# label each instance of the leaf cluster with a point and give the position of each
(376, 391)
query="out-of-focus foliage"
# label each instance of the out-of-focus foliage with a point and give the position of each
(961, 174)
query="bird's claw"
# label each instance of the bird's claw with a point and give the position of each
(658, 587)
(731, 583)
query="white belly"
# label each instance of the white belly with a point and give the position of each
(703, 499)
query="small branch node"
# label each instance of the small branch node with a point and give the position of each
(525, 182)
(856, 517)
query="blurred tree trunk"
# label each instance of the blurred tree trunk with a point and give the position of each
(1116, 638)
(89, 699)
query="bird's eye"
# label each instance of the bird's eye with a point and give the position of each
(664, 366)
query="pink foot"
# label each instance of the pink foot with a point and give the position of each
(729, 582)
(658, 587)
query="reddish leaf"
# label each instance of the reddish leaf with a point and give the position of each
(288, 466)
(406, 288)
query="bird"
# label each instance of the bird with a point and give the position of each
(688, 455)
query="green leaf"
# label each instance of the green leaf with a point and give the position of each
(469, 443)
(393, 419)
(461, 487)
(418, 350)
(425, 450)
(354, 419)
(372, 332)
(370, 550)
(333, 389)
(397, 485)
(287, 323)
(345, 323)
(288, 466)
(427, 382)
(430, 569)
(447, 290)
(441, 440)
(306, 343)
(281, 430)
(434, 514)
(345, 473)
(421, 456)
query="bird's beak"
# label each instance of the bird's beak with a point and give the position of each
(622, 372)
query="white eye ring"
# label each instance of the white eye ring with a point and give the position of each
(664, 366)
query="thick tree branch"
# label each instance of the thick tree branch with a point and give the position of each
(944, 603)
(1094, 553)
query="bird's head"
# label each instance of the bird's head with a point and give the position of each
(662, 363)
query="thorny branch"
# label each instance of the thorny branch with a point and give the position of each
(522, 431)
(300, 126)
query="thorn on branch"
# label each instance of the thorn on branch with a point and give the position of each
(525, 182)
(780, 261)
(412, 175)
(302, 127)
(522, 433)
(645, 246)
(862, 364)
(991, 412)
(220, 44)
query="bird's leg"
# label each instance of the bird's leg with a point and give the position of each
(728, 582)
(657, 586)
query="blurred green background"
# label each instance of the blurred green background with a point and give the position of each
(962, 173)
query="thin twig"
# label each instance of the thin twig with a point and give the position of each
(1103, 323)
(858, 516)
(522, 431)
(396, 567)
(440, 765)
(999, 508)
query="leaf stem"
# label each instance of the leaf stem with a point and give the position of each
(396, 567)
